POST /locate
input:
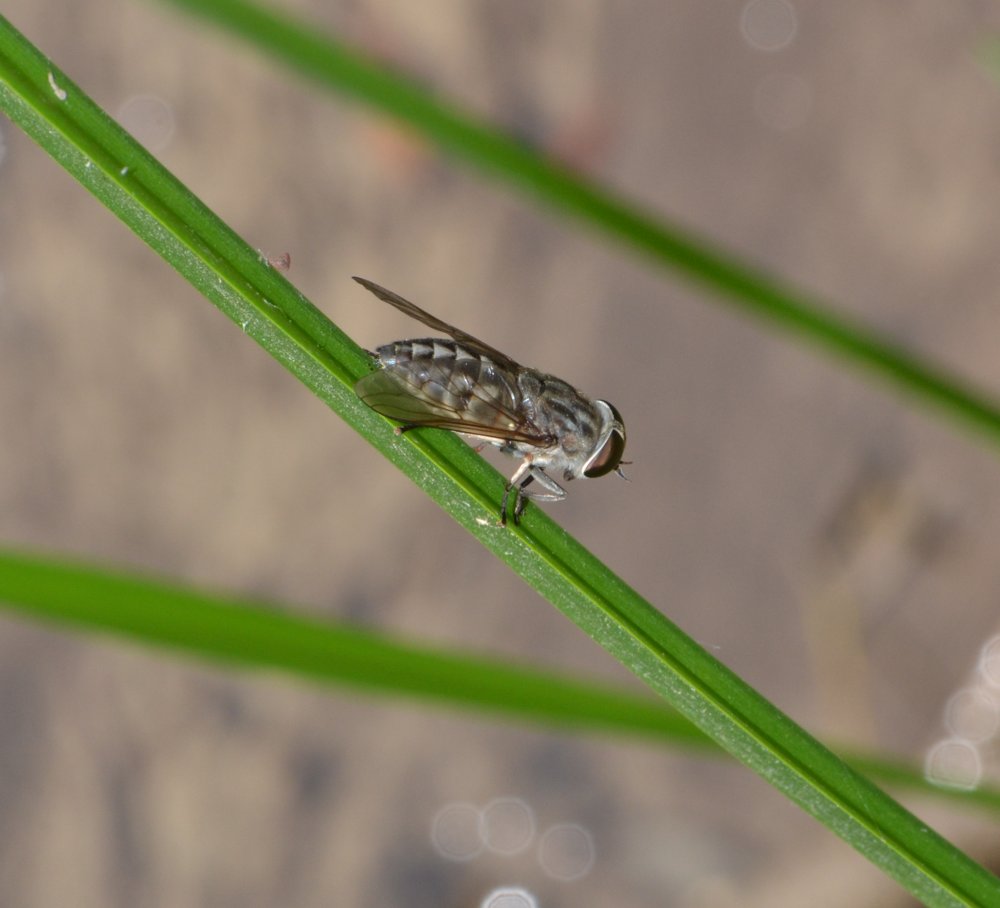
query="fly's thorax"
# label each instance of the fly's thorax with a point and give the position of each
(588, 435)
(570, 418)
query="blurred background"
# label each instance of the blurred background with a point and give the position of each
(832, 544)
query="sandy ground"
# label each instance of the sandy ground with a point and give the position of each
(830, 542)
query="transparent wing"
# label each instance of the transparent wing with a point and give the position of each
(390, 394)
(415, 312)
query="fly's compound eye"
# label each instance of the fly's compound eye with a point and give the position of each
(608, 458)
(610, 453)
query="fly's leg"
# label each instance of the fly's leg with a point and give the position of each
(521, 501)
(522, 476)
(552, 490)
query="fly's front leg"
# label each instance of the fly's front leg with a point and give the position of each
(521, 501)
(522, 476)
(553, 491)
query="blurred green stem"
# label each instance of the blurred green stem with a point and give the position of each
(336, 66)
(250, 634)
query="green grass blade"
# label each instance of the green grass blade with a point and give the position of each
(255, 635)
(53, 110)
(263, 635)
(335, 65)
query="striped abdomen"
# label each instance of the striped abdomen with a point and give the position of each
(445, 379)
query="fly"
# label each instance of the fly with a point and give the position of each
(473, 389)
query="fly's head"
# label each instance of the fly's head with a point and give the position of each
(610, 446)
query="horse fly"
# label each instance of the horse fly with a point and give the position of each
(473, 389)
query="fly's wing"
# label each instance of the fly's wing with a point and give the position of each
(392, 395)
(414, 311)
